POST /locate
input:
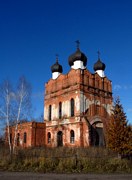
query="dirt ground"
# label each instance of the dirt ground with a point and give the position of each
(39, 176)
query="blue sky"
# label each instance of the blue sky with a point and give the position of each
(33, 31)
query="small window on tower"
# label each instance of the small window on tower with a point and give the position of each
(72, 107)
(60, 110)
(50, 112)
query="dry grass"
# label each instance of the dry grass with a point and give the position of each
(64, 160)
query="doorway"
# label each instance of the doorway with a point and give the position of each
(97, 136)
(59, 139)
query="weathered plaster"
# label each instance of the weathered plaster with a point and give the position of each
(78, 64)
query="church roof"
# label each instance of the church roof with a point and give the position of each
(78, 55)
(56, 67)
(99, 65)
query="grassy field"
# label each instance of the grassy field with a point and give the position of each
(64, 160)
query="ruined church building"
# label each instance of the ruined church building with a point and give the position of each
(77, 105)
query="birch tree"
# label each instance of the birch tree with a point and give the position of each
(15, 105)
(23, 104)
(5, 106)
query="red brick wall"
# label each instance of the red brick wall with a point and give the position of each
(35, 134)
(38, 134)
(93, 100)
(87, 87)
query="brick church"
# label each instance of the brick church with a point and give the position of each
(77, 106)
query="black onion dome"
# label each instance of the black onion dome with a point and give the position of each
(78, 55)
(99, 65)
(56, 67)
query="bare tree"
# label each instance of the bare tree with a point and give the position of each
(15, 105)
(23, 103)
(5, 106)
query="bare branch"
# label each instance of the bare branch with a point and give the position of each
(14, 104)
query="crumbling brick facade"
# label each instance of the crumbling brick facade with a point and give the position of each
(29, 134)
(76, 108)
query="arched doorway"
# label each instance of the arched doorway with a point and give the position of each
(59, 139)
(97, 133)
(94, 136)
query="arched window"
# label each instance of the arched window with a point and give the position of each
(18, 139)
(10, 138)
(25, 137)
(59, 139)
(72, 107)
(49, 137)
(50, 112)
(72, 136)
(60, 110)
